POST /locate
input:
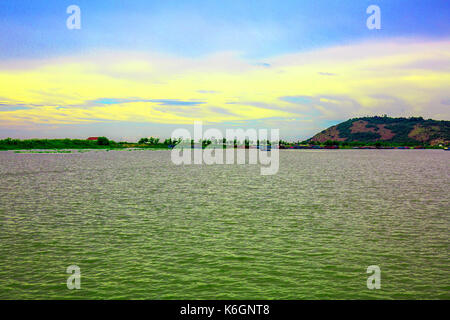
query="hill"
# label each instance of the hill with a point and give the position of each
(409, 131)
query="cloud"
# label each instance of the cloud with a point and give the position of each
(446, 102)
(207, 91)
(263, 64)
(4, 108)
(221, 110)
(327, 74)
(180, 111)
(374, 78)
(297, 99)
(175, 102)
(112, 101)
(323, 106)
(165, 102)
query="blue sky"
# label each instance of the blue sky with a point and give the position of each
(256, 28)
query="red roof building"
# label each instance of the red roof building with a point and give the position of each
(93, 138)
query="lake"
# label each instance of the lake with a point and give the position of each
(140, 227)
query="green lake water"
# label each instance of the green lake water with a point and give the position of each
(140, 227)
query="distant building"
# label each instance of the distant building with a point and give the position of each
(93, 138)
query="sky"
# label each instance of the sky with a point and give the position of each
(145, 68)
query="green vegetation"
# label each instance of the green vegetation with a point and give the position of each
(152, 141)
(332, 144)
(389, 132)
(155, 143)
(100, 143)
(103, 141)
(377, 132)
(53, 151)
(401, 127)
(16, 144)
(376, 144)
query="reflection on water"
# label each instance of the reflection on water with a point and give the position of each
(140, 227)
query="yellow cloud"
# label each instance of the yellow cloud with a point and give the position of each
(397, 77)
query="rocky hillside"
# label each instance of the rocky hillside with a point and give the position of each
(396, 130)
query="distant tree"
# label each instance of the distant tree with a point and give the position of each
(331, 143)
(103, 141)
(143, 140)
(205, 142)
(152, 140)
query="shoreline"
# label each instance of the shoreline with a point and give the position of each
(85, 150)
